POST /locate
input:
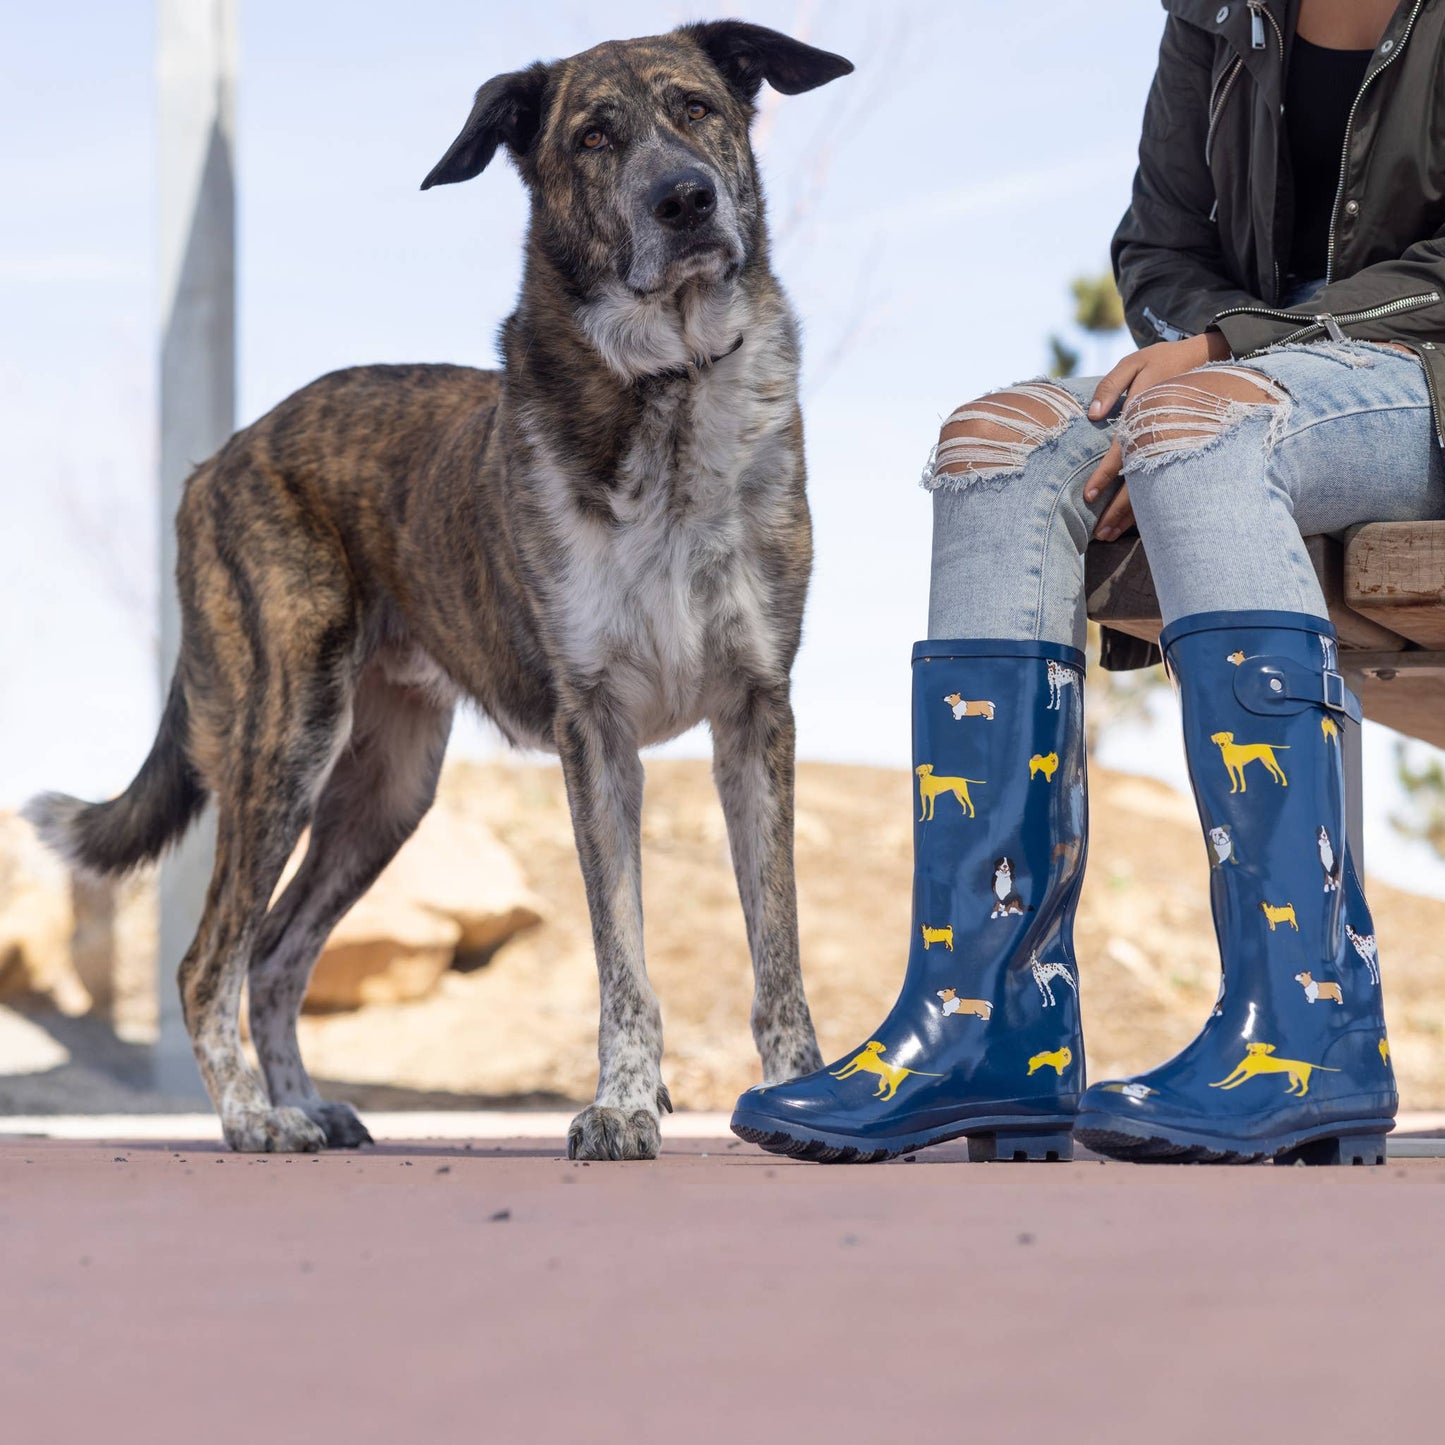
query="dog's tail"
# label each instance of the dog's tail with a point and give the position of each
(160, 804)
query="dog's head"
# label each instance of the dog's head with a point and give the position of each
(1305, 978)
(1221, 738)
(874, 1047)
(1065, 1056)
(637, 152)
(946, 994)
(1259, 1049)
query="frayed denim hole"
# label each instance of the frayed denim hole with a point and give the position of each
(989, 464)
(1203, 418)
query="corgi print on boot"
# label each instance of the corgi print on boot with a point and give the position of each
(955, 1007)
(1238, 755)
(1314, 992)
(963, 708)
(1270, 1076)
(968, 1020)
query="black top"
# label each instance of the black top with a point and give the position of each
(1319, 91)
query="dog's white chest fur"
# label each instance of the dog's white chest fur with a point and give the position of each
(662, 598)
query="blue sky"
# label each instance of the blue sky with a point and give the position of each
(930, 210)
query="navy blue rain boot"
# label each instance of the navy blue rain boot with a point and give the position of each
(1293, 1064)
(984, 1040)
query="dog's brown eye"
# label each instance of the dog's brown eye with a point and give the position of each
(697, 110)
(593, 139)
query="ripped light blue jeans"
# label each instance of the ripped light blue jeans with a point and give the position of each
(1223, 492)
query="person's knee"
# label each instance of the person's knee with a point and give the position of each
(1192, 412)
(993, 437)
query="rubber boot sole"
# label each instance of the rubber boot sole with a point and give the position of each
(1003, 1140)
(1350, 1142)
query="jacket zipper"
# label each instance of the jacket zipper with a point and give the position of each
(1393, 56)
(1225, 84)
(1258, 14)
(1222, 89)
(1327, 325)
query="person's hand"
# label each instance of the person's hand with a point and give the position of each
(1137, 373)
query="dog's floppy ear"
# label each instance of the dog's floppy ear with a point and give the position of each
(747, 55)
(507, 111)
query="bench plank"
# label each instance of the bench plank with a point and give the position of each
(1120, 591)
(1395, 574)
(1395, 589)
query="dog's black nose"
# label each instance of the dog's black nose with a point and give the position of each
(683, 200)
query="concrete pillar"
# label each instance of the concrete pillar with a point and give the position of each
(196, 78)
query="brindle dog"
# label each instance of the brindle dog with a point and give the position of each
(601, 545)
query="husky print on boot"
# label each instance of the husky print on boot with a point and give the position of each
(990, 1054)
(1270, 1075)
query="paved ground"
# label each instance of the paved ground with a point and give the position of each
(493, 1291)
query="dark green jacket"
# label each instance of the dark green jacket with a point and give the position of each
(1209, 227)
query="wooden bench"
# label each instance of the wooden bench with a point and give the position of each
(1385, 586)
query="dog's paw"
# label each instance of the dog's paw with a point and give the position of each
(273, 1131)
(600, 1133)
(342, 1124)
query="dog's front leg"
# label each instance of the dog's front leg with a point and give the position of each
(753, 745)
(604, 790)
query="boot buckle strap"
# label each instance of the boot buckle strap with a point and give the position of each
(1335, 690)
(1268, 685)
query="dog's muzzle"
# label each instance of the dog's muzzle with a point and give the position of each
(684, 224)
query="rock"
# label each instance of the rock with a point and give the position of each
(457, 867)
(386, 950)
(114, 948)
(36, 920)
(454, 890)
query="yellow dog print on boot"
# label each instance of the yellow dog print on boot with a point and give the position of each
(1385, 1052)
(929, 787)
(1260, 1059)
(937, 935)
(1058, 1060)
(870, 1060)
(1237, 756)
(1275, 916)
(1044, 763)
(1330, 729)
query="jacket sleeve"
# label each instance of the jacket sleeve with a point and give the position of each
(1167, 258)
(1411, 290)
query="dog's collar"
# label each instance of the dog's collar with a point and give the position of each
(692, 368)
